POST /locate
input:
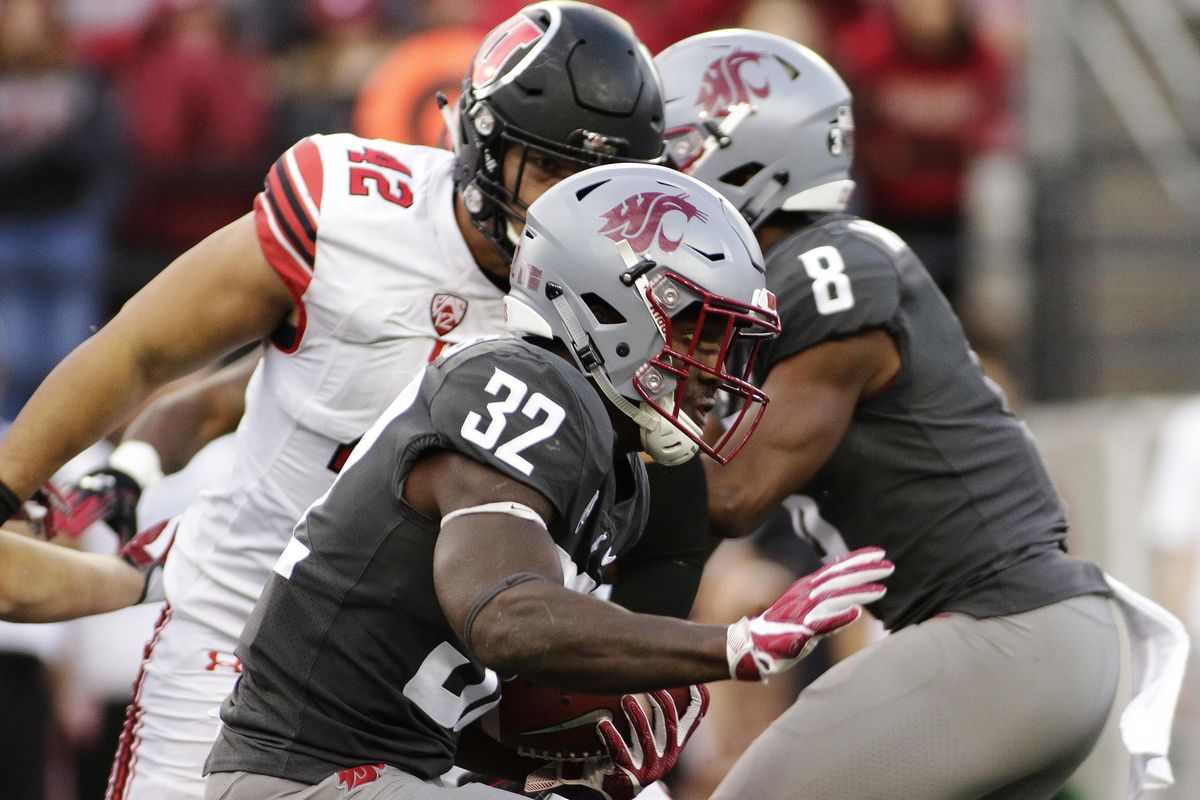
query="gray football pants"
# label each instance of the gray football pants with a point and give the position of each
(390, 784)
(955, 708)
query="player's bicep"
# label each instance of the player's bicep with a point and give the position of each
(493, 533)
(218, 295)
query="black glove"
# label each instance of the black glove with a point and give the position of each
(106, 494)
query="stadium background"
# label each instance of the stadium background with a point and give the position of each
(1062, 219)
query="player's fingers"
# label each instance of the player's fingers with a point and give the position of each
(618, 748)
(666, 723)
(665, 705)
(698, 700)
(854, 576)
(855, 558)
(642, 729)
(835, 602)
(834, 621)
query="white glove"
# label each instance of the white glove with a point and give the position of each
(814, 606)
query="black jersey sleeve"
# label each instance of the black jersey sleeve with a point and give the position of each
(522, 415)
(831, 281)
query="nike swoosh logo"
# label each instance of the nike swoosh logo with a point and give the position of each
(590, 718)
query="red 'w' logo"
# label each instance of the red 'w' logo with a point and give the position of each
(639, 219)
(357, 776)
(723, 84)
(499, 46)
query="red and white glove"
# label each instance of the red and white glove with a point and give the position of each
(46, 512)
(147, 551)
(814, 606)
(634, 765)
(107, 495)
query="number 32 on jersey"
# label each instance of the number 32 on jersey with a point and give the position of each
(512, 391)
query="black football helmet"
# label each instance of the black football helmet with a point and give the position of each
(563, 77)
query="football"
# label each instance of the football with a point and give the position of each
(542, 722)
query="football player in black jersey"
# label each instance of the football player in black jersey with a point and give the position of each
(1002, 661)
(460, 539)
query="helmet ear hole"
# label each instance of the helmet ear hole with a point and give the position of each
(742, 175)
(602, 310)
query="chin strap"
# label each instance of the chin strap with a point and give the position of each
(752, 210)
(665, 442)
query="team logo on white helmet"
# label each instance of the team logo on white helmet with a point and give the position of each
(638, 219)
(726, 83)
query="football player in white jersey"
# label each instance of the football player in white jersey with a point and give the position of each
(360, 261)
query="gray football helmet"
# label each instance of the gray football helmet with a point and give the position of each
(610, 259)
(763, 120)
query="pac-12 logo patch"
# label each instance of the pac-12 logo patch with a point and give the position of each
(640, 218)
(354, 777)
(725, 84)
(446, 311)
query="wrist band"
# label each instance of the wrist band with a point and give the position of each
(9, 503)
(138, 460)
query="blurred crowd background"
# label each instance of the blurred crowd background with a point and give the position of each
(1040, 155)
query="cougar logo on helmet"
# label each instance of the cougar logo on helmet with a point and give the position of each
(354, 777)
(446, 311)
(724, 85)
(499, 46)
(638, 219)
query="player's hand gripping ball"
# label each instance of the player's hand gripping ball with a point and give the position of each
(657, 734)
(541, 722)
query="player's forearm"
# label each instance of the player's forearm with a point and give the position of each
(180, 423)
(40, 582)
(549, 634)
(84, 397)
(736, 505)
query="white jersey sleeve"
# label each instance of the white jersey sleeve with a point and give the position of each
(363, 233)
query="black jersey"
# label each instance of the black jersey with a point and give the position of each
(936, 469)
(348, 658)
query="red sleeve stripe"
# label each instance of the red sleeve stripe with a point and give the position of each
(293, 186)
(295, 270)
(291, 269)
(290, 216)
(304, 164)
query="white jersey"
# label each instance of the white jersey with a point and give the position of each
(363, 233)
